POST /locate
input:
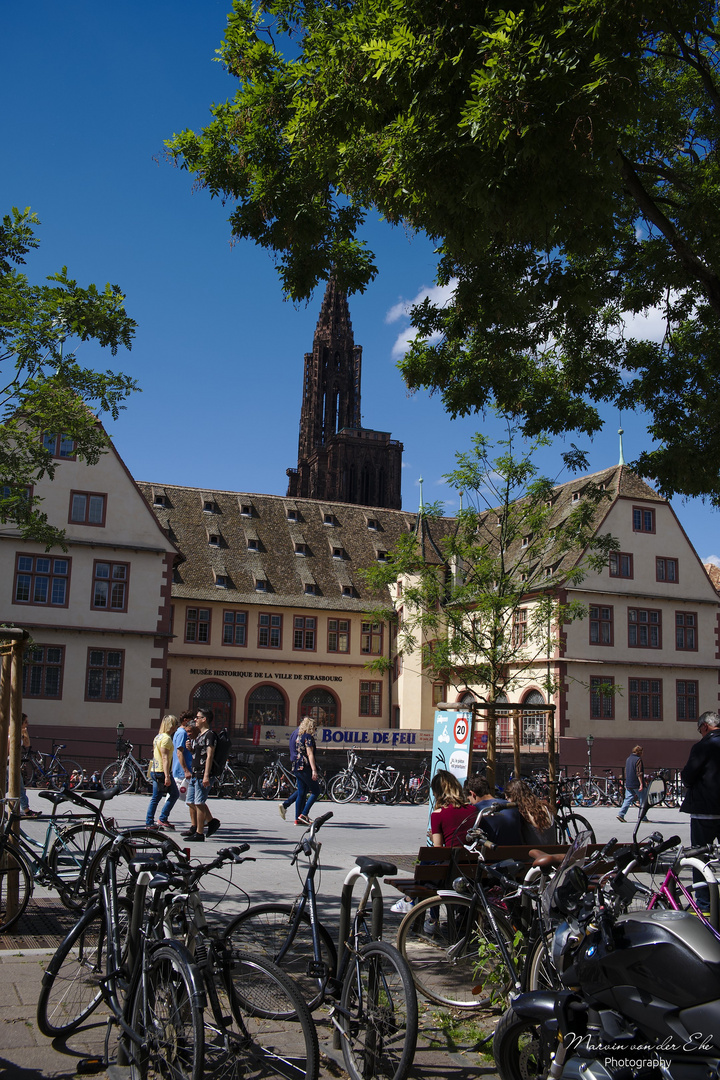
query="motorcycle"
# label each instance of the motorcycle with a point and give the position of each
(641, 990)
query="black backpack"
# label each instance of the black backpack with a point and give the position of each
(223, 746)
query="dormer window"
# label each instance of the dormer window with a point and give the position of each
(338, 553)
(246, 510)
(261, 585)
(309, 588)
(373, 524)
(526, 540)
(292, 515)
(301, 549)
(159, 500)
(329, 519)
(576, 496)
(549, 571)
(214, 540)
(348, 590)
(382, 556)
(208, 506)
(253, 544)
(221, 582)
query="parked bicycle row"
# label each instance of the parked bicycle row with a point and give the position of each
(607, 789)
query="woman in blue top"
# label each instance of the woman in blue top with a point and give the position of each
(305, 769)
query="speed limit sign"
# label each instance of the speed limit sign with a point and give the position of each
(462, 729)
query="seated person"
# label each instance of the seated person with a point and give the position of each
(537, 820)
(453, 814)
(504, 826)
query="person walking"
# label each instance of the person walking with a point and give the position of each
(25, 744)
(306, 775)
(199, 783)
(634, 781)
(161, 775)
(701, 777)
(182, 752)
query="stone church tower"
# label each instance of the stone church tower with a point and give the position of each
(338, 459)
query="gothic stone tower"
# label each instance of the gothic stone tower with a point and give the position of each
(338, 459)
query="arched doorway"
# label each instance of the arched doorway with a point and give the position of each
(266, 705)
(321, 705)
(534, 724)
(215, 696)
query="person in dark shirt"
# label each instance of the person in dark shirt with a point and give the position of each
(505, 824)
(634, 781)
(701, 777)
(203, 752)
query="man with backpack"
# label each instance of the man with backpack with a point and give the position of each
(199, 784)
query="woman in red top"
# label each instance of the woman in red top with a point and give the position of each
(452, 816)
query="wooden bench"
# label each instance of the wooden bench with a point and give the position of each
(437, 867)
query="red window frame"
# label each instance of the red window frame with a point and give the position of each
(56, 448)
(686, 700)
(198, 625)
(40, 663)
(685, 631)
(371, 640)
(340, 628)
(37, 572)
(270, 629)
(601, 629)
(645, 699)
(643, 519)
(370, 698)
(602, 706)
(105, 671)
(662, 565)
(234, 627)
(304, 633)
(649, 624)
(618, 568)
(87, 495)
(119, 585)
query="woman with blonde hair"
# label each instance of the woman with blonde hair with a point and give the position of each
(305, 770)
(161, 775)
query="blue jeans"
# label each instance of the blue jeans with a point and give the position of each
(159, 791)
(631, 796)
(307, 789)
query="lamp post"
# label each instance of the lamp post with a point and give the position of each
(590, 740)
(120, 733)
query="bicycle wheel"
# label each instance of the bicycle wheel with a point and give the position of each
(393, 795)
(591, 794)
(138, 841)
(519, 1049)
(378, 1015)
(267, 1030)
(418, 792)
(15, 878)
(61, 773)
(344, 787)
(27, 771)
(540, 973)
(268, 784)
(166, 1013)
(449, 957)
(72, 854)
(569, 825)
(245, 783)
(263, 930)
(71, 984)
(120, 772)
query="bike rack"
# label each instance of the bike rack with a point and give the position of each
(376, 921)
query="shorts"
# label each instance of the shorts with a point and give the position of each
(196, 793)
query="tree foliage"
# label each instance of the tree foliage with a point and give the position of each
(43, 390)
(515, 547)
(563, 155)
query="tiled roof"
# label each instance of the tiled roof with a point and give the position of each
(308, 551)
(713, 572)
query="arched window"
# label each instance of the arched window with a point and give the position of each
(215, 696)
(534, 724)
(503, 728)
(321, 705)
(266, 705)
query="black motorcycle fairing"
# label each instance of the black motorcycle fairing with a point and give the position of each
(703, 1020)
(537, 1005)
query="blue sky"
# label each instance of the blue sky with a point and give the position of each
(92, 90)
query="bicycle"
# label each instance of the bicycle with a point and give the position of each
(369, 984)
(377, 781)
(234, 782)
(128, 773)
(277, 781)
(417, 788)
(567, 823)
(607, 790)
(48, 770)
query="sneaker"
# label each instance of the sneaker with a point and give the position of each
(31, 813)
(620, 818)
(195, 836)
(430, 926)
(305, 819)
(402, 906)
(363, 798)
(188, 834)
(299, 821)
(152, 827)
(282, 811)
(212, 826)
(165, 825)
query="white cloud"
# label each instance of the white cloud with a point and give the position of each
(648, 326)
(713, 559)
(439, 294)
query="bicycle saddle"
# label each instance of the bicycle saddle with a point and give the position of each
(375, 867)
(544, 860)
